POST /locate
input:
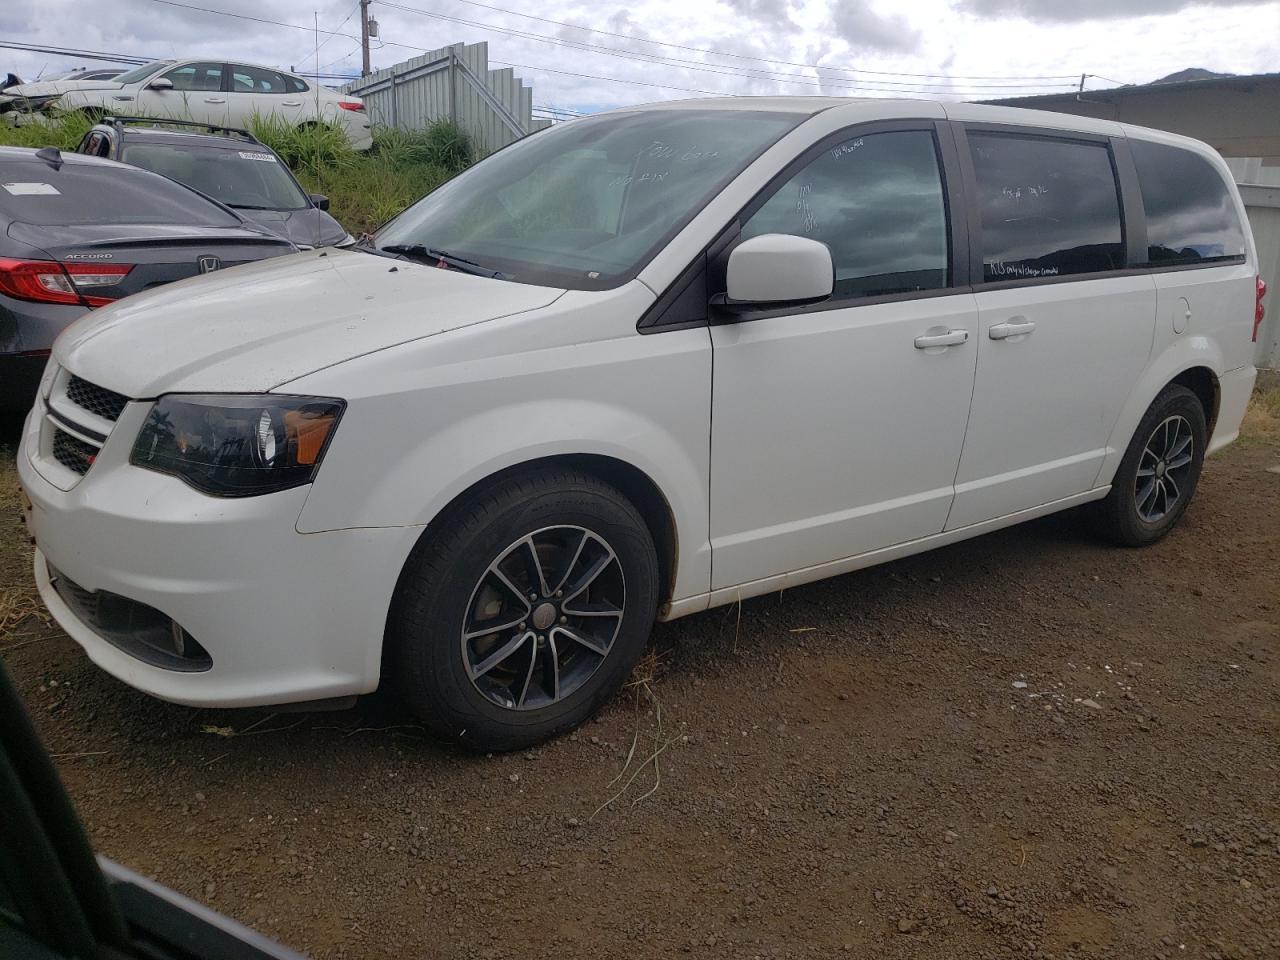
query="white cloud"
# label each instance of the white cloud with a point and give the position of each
(864, 47)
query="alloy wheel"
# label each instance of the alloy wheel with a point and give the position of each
(1164, 469)
(543, 617)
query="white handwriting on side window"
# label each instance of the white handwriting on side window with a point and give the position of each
(845, 148)
(1013, 271)
(1029, 192)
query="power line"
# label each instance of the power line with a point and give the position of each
(340, 26)
(744, 56)
(409, 46)
(753, 73)
(75, 53)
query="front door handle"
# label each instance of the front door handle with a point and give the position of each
(950, 338)
(292, 103)
(215, 99)
(1012, 328)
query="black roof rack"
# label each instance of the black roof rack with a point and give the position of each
(157, 121)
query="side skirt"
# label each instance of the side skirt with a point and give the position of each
(785, 581)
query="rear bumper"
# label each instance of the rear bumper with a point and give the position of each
(1234, 390)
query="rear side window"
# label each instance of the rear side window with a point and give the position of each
(246, 79)
(1048, 207)
(1190, 213)
(200, 77)
(81, 193)
(876, 201)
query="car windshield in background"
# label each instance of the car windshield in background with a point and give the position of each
(586, 204)
(85, 193)
(142, 72)
(239, 175)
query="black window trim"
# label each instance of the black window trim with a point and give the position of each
(675, 309)
(1129, 215)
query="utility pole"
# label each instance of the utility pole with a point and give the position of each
(364, 37)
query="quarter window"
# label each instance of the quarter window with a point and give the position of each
(295, 85)
(877, 202)
(1190, 214)
(1048, 207)
(256, 80)
(202, 77)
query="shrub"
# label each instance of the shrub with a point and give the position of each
(364, 189)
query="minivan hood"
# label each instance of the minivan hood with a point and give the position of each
(258, 326)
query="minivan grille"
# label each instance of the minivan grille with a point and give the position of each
(97, 400)
(72, 452)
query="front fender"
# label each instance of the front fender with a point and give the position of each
(436, 428)
(1177, 357)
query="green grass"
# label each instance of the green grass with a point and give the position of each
(364, 189)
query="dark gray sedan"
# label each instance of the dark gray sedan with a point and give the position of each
(228, 164)
(77, 232)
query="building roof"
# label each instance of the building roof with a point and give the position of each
(1192, 79)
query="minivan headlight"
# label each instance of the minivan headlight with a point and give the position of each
(237, 445)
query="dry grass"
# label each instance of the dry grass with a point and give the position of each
(19, 602)
(1262, 419)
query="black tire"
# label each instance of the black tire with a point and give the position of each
(1121, 517)
(441, 585)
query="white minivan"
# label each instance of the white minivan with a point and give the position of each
(635, 366)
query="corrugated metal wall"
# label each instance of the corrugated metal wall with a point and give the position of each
(452, 83)
(1262, 203)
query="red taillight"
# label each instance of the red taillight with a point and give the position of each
(351, 105)
(45, 281)
(1259, 311)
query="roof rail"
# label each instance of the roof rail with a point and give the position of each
(117, 121)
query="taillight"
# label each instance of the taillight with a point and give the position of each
(350, 105)
(45, 281)
(1259, 311)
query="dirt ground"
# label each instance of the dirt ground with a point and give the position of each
(1028, 745)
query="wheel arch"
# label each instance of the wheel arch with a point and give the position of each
(1194, 362)
(1203, 382)
(632, 482)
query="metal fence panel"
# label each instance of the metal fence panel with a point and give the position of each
(494, 107)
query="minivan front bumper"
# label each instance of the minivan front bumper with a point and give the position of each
(284, 617)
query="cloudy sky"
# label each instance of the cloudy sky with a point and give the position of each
(590, 54)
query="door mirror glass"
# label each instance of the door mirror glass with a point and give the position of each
(161, 83)
(320, 201)
(779, 268)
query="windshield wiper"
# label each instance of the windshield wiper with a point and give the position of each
(425, 254)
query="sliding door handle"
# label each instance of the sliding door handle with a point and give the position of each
(950, 338)
(1011, 328)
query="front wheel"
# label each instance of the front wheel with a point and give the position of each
(524, 611)
(1159, 473)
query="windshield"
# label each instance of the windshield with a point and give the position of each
(240, 175)
(142, 72)
(586, 204)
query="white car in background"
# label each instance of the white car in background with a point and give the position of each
(35, 95)
(218, 92)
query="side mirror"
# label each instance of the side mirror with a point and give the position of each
(778, 269)
(161, 83)
(320, 201)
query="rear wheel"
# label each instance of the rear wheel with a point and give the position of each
(1159, 473)
(524, 611)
